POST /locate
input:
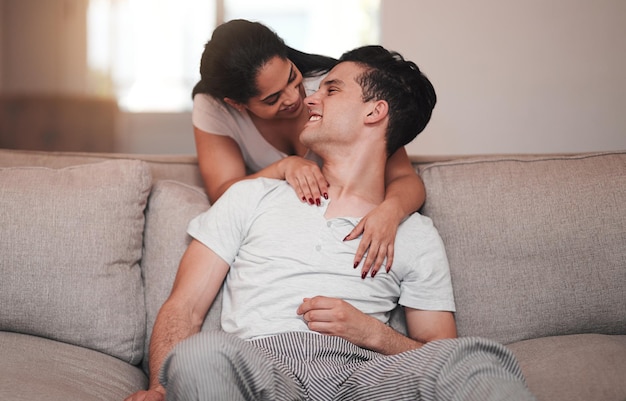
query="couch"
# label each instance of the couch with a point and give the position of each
(90, 244)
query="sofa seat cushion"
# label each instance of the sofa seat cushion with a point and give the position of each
(71, 242)
(35, 368)
(535, 243)
(574, 368)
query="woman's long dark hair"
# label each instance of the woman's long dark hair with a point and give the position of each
(237, 49)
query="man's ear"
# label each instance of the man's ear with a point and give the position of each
(234, 104)
(379, 110)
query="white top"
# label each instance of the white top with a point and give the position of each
(282, 250)
(216, 117)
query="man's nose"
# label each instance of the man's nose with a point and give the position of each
(311, 99)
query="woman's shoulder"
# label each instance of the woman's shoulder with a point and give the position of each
(212, 115)
(204, 101)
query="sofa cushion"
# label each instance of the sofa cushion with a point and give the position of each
(574, 368)
(35, 368)
(70, 241)
(170, 208)
(535, 244)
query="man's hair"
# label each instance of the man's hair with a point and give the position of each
(410, 95)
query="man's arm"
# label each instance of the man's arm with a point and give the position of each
(336, 317)
(199, 279)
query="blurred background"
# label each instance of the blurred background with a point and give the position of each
(511, 76)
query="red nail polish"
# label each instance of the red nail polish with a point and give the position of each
(373, 273)
(364, 274)
(304, 199)
(356, 264)
(325, 195)
(318, 202)
(311, 201)
(345, 238)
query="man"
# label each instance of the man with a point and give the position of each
(297, 323)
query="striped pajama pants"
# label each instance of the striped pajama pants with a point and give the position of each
(214, 365)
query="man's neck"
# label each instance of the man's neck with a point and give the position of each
(357, 185)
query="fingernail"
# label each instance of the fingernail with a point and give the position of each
(356, 264)
(304, 199)
(318, 202)
(311, 201)
(345, 238)
(364, 274)
(374, 273)
(325, 195)
(388, 268)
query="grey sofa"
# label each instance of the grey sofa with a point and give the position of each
(90, 244)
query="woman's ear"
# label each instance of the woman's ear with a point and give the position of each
(379, 110)
(234, 104)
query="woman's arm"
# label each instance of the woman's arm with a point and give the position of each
(405, 194)
(221, 165)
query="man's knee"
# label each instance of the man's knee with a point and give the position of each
(192, 364)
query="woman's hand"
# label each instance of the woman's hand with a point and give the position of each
(306, 179)
(379, 228)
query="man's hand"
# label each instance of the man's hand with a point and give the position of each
(337, 317)
(150, 395)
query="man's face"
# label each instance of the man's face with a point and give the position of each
(337, 111)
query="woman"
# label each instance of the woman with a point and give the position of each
(247, 116)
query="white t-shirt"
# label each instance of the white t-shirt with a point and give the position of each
(214, 116)
(281, 250)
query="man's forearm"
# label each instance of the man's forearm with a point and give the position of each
(387, 341)
(170, 328)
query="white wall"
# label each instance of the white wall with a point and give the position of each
(516, 76)
(511, 76)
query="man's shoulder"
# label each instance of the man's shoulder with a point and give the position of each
(257, 183)
(418, 222)
(256, 187)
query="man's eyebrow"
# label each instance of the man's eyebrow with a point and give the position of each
(335, 81)
(266, 98)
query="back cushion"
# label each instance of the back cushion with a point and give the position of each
(171, 206)
(70, 245)
(537, 245)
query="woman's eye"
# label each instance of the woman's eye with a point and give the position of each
(272, 101)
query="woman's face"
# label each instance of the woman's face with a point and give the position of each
(281, 93)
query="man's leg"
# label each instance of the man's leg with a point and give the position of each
(218, 366)
(459, 369)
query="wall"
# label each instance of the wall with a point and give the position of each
(516, 76)
(44, 46)
(511, 76)
(2, 25)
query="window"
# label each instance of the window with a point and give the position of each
(146, 53)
